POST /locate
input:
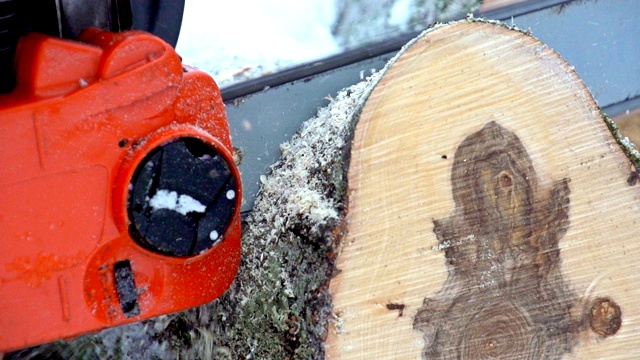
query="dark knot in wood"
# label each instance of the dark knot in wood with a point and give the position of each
(605, 318)
(504, 297)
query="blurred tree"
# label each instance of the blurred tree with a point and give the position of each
(362, 21)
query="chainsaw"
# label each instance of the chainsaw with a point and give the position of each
(122, 192)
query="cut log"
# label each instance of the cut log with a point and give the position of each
(490, 210)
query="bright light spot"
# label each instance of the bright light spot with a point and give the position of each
(225, 38)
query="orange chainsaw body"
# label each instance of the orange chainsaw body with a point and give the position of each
(83, 118)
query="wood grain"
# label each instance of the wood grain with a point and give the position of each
(546, 222)
(504, 295)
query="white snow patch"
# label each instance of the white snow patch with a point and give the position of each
(228, 39)
(184, 204)
(400, 13)
(631, 147)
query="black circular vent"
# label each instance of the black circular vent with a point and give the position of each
(182, 198)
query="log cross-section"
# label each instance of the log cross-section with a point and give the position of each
(489, 210)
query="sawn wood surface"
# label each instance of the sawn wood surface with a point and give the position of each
(491, 212)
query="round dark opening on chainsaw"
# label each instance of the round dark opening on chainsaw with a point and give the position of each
(182, 198)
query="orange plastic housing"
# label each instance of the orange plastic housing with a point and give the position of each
(84, 115)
